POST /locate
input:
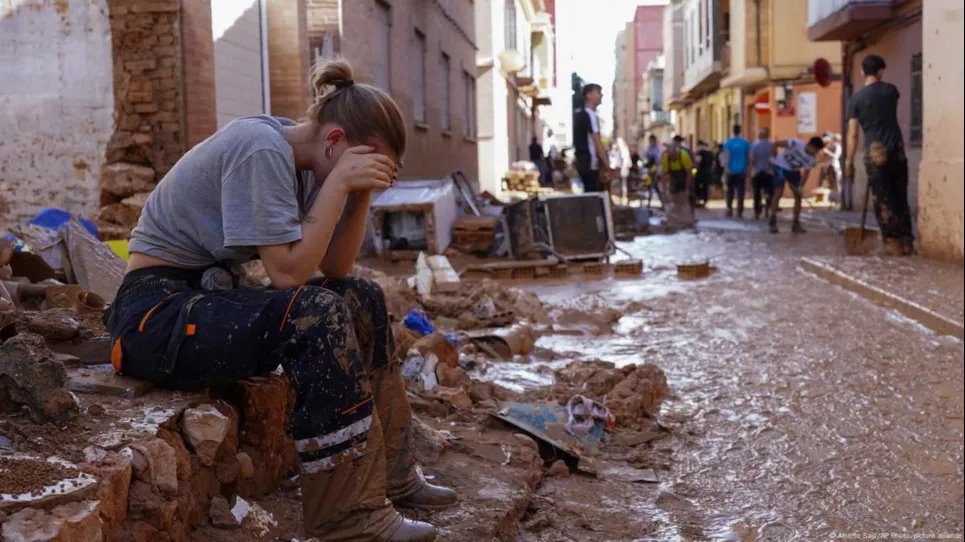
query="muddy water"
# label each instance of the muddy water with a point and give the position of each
(800, 410)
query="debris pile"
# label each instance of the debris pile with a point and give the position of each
(195, 468)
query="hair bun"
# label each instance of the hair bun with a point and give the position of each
(336, 73)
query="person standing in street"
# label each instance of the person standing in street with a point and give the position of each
(874, 109)
(794, 163)
(738, 152)
(536, 157)
(590, 152)
(705, 173)
(677, 167)
(762, 182)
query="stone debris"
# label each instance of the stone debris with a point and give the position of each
(30, 377)
(222, 515)
(205, 428)
(558, 468)
(638, 395)
(155, 463)
(72, 522)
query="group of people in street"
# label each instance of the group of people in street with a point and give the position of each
(769, 166)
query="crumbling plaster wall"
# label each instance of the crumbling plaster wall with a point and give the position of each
(56, 105)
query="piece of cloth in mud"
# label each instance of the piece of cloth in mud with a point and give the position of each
(333, 338)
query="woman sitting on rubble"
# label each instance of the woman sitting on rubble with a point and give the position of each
(297, 196)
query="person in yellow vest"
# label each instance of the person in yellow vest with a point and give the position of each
(678, 176)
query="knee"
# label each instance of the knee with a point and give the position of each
(368, 291)
(316, 306)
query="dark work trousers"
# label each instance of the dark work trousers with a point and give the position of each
(762, 184)
(331, 336)
(702, 186)
(736, 186)
(889, 185)
(591, 180)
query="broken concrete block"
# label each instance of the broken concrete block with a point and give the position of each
(72, 522)
(638, 395)
(125, 180)
(145, 503)
(114, 473)
(558, 468)
(107, 384)
(205, 427)
(437, 343)
(247, 467)
(181, 453)
(156, 464)
(28, 376)
(220, 514)
(53, 324)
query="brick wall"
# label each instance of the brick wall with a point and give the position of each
(200, 118)
(288, 59)
(449, 27)
(164, 98)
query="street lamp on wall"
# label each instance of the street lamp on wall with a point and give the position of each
(511, 61)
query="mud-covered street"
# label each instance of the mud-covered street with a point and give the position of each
(799, 410)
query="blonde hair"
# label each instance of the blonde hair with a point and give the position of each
(362, 110)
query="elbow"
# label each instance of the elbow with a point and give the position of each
(284, 277)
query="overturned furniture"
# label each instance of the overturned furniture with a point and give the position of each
(570, 227)
(414, 216)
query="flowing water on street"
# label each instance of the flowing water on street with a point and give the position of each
(799, 410)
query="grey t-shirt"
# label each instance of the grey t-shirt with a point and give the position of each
(231, 193)
(762, 151)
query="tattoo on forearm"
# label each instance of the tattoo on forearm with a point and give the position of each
(308, 219)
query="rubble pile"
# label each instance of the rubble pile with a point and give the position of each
(197, 469)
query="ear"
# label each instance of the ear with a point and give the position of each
(335, 136)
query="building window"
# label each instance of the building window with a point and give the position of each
(469, 127)
(381, 75)
(419, 78)
(510, 20)
(446, 94)
(708, 19)
(915, 131)
(701, 28)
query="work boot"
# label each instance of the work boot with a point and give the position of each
(730, 213)
(891, 247)
(429, 497)
(772, 223)
(407, 530)
(797, 228)
(907, 246)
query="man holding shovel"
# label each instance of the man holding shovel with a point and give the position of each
(875, 109)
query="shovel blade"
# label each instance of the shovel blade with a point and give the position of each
(858, 242)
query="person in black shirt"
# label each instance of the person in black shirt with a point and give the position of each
(705, 173)
(591, 156)
(875, 109)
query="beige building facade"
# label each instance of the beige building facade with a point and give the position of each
(941, 219)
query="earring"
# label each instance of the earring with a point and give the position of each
(328, 152)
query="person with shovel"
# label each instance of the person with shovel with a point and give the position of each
(874, 109)
(794, 163)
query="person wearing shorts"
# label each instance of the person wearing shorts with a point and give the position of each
(794, 162)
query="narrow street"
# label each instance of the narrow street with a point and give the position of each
(799, 410)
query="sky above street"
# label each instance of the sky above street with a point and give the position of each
(586, 32)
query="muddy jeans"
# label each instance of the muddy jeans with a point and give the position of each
(889, 185)
(333, 339)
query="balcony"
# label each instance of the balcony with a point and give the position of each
(843, 20)
(659, 118)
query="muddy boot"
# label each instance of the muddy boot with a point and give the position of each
(891, 247)
(772, 224)
(407, 530)
(346, 501)
(797, 228)
(730, 213)
(429, 497)
(406, 486)
(907, 246)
